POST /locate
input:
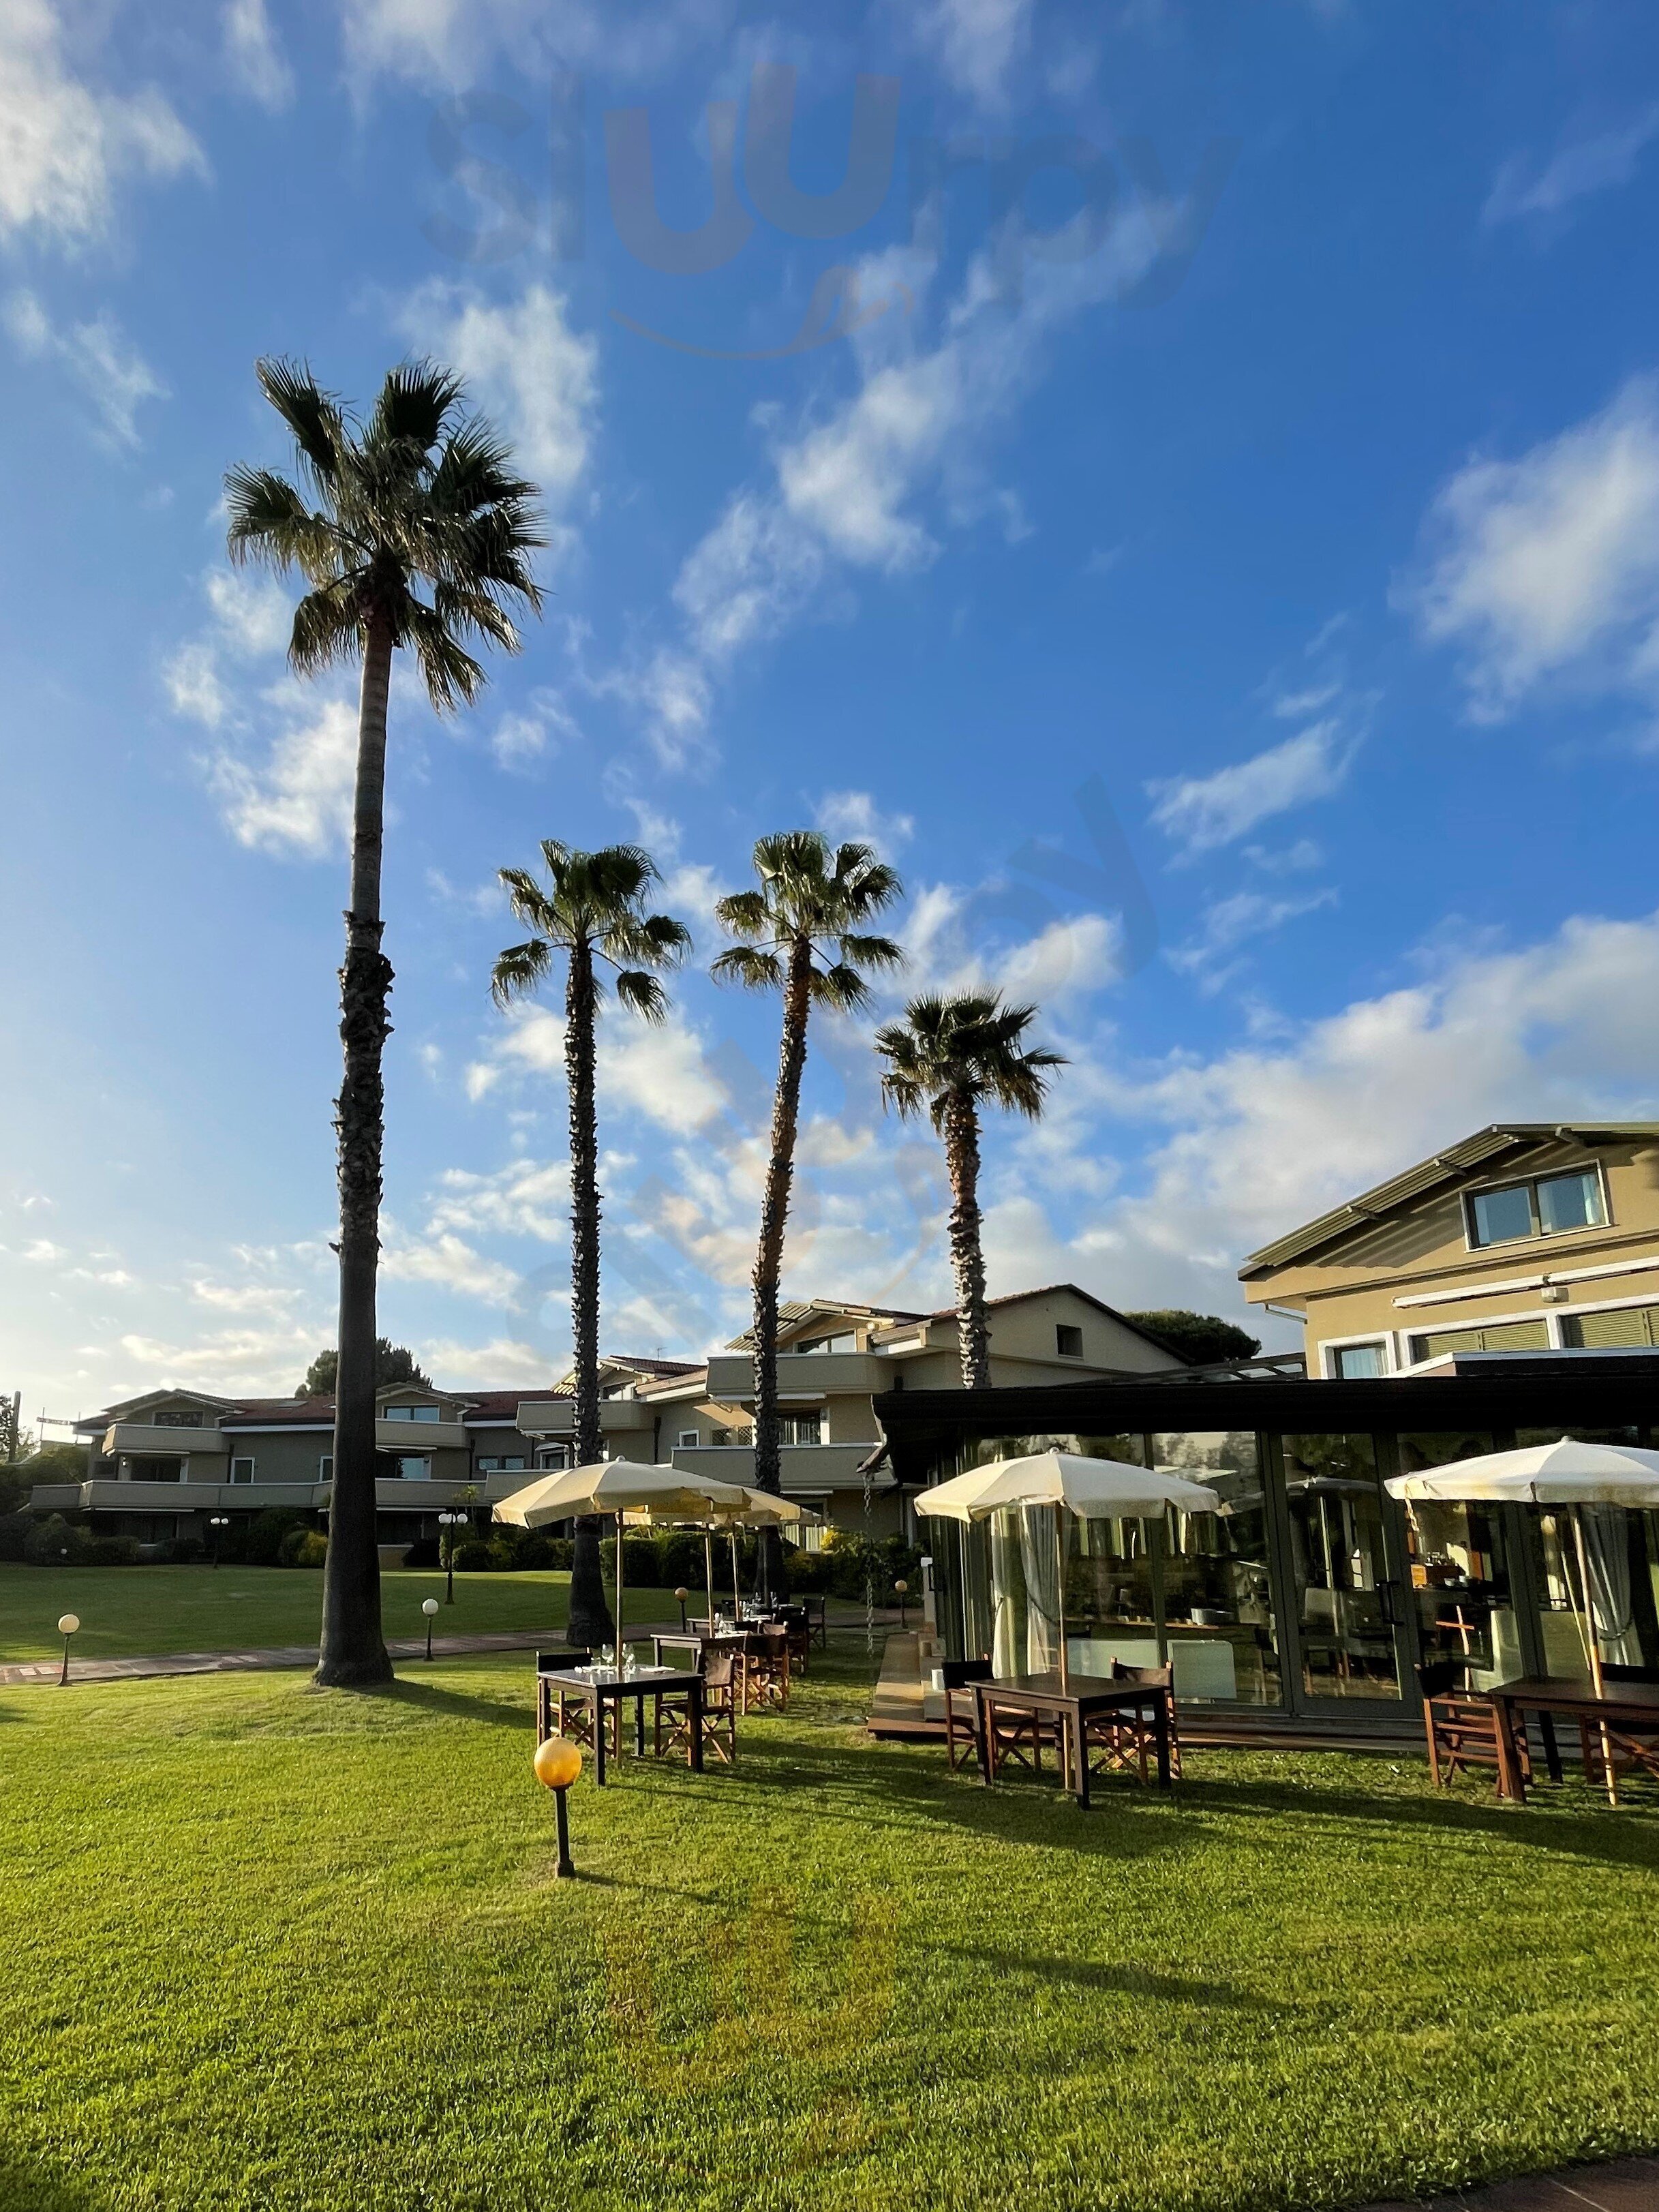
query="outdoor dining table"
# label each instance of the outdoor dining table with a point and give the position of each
(601, 1686)
(1621, 1707)
(1077, 1701)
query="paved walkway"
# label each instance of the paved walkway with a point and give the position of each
(1631, 2186)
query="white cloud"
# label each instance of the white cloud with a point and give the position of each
(854, 816)
(98, 357)
(528, 734)
(299, 800)
(1229, 922)
(976, 43)
(1549, 565)
(1203, 812)
(255, 58)
(450, 42)
(44, 1252)
(528, 368)
(451, 1264)
(62, 144)
(658, 1070)
(252, 618)
(1592, 164)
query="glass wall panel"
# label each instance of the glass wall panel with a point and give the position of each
(1218, 1603)
(1459, 1568)
(1621, 1552)
(1345, 1600)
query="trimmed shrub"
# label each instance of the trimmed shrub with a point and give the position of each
(424, 1552)
(14, 1534)
(262, 1547)
(55, 1543)
(476, 1556)
(303, 1547)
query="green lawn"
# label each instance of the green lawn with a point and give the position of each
(126, 1611)
(269, 1946)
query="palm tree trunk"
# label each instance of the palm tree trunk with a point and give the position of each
(353, 1653)
(590, 1616)
(966, 1254)
(769, 1256)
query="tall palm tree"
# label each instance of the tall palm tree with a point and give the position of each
(802, 933)
(953, 1056)
(421, 497)
(593, 916)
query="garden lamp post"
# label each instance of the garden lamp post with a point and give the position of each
(218, 1522)
(429, 1606)
(558, 1762)
(903, 1591)
(680, 1596)
(451, 1522)
(67, 1625)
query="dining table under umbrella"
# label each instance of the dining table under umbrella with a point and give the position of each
(1570, 1475)
(622, 1487)
(1067, 1483)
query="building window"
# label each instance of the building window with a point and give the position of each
(500, 1466)
(412, 1413)
(807, 1535)
(325, 1467)
(156, 1470)
(1502, 1336)
(178, 1418)
(802, 1428)
(1551, 1206)
(241, 1470)
(688, 1436)
(847, 1341)
(1624, 1328)
(552, 1457)
(1357, 1363)
(413, 1469)
(1068, 1341)
(742, 1438)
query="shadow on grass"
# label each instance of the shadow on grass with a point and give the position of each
(1094, 1974)
(1625, 1837)
(27, 2187)
(456, 1704)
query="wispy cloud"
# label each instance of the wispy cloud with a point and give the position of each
(1548, 566)
(254, 54)
(1204, 812)
(98, 359)
(63, 144)
(1597, 162)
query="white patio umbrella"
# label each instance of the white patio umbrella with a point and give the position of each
(1567, 1473)
(619, 1486)
(1090, 1489)
(761, 1509)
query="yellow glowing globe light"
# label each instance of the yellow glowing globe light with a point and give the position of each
(67, 1625)
(558, 1762)
(681, 1595)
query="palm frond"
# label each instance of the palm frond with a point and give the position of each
(531, 904)
(413, 402)
(313, 414)
(744, 914)
(326, 631)
(876, 953)
(756, 969)
(841, 988)
(642, 994)
(518, 970)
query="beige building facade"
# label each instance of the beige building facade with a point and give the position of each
(1525, 1237)
(160, 1465)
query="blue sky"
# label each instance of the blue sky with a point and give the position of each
(1211, 543)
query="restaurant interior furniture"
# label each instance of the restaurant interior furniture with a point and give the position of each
(1462, 1724)
(962, 1712)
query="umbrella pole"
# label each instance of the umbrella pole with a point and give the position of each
(1593, 1649)
(708, 1574)
(732, 1532)
(1060, 1560)
(619, 1591)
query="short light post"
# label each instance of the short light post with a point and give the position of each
(67, 1625)
(451, 1522)
(429, 1607)
(218, 1522)
(681, 1596)
(558, 1762)
(902, 1590)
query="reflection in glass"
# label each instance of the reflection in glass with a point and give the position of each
(1345, 1599)
(1459, 1571)
(1217, 1604)
(1621, 1550)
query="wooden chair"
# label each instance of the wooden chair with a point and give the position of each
(670, 1727)
(1634, 1750)
(766, 1669)
(553, 1662)
(799, 1629)
(722, 1667)
(816, 1607)
(1462, 1726)
(1125, 1742)
(1019, 1736)
(962, 1709)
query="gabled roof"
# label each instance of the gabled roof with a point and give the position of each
(1499, 1143)
(793, 1310)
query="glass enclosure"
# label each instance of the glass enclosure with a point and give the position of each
(1458, 1566)
(1347, 1599)
(1307, 1589)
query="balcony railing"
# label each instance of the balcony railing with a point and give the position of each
(131, 1437)
(556, 1417)
(808, 1470)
